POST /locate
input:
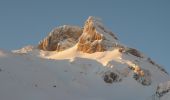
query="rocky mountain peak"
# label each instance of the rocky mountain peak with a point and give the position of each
(95, 37)
(94, 27)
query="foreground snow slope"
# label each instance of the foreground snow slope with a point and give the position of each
(166, 97)
(29, 77)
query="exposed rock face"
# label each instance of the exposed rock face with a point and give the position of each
(61, 38)
(110, 77)
(95, 37)
(134, 52)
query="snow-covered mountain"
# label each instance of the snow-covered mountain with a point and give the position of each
(74, 63)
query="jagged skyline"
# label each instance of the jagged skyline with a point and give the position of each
(139, 24)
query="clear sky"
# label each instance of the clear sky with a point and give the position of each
(142, 24)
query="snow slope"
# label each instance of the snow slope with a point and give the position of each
(166, 97)
(109, 59)
(79, 76)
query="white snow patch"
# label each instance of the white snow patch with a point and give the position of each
(24, 50)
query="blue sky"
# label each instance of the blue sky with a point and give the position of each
(142, 24)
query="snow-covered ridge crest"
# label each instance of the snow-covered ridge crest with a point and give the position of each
(94, 37)
(69, 41)
(24, 50)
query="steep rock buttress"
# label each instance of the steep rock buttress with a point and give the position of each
(95, 37)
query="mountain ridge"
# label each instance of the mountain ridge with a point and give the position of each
(74, 63)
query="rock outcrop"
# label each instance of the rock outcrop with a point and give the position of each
(95, 37)
(61, 38)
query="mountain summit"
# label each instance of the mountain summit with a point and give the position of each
(93, 37)
(75, 63)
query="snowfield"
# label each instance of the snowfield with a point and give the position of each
(71, 75)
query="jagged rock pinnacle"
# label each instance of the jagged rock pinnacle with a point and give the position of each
(94, 37)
